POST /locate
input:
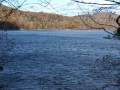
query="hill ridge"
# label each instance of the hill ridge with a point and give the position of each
(41, 20)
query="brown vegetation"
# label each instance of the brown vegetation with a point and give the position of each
(40, 20)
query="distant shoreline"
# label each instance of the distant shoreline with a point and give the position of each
(59, 29)
(50, 30)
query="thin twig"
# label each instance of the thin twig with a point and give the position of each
(92, 3)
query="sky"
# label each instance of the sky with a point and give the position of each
(63, 7)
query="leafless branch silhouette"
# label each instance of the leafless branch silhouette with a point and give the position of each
(15, 16)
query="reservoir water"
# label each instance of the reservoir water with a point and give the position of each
(60, 60)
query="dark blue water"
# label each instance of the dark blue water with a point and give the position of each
(58, 60)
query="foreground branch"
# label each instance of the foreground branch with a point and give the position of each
(92, 3)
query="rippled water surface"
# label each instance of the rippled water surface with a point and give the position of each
(58, 60)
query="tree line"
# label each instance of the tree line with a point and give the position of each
(40, 20)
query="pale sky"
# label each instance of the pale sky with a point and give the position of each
(63, 7)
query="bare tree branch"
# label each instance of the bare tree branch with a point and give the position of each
(117, 20)
(87, 23)
(113, 1)
(91, 3)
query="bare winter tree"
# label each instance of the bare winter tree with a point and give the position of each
(6, 44)
(111, 6)
(108, 62)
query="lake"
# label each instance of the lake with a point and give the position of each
(60, 60)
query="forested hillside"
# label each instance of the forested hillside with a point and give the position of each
(17, 19)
